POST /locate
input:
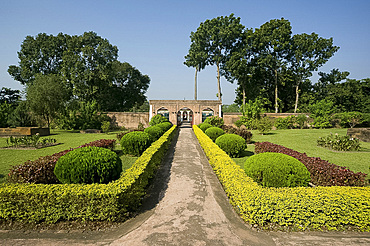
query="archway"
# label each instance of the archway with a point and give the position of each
(185, 115)
(164, 112)
(206, 113)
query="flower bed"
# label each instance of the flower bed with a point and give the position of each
(301, 208)
(322, 172)
(94, 202)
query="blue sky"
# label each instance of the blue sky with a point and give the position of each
(153, 35)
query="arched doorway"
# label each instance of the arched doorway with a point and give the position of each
(206, 113)
(185, 115)
(164, 112)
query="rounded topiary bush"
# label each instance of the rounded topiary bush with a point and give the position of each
(135, 143)
(205, 126)
(157, 119)
(277, 170)
(215, 121)
(88, 165)
(214, 132)
(165, 126)
(155, 132)
(232, 144)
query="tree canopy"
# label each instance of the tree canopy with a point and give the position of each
(86, 64)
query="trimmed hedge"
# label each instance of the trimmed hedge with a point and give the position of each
(300, 208)
(205, 126)
(232, 144)
(322, 172)
(135, 143)
(41, 171)
(94, 202)
(155, 132)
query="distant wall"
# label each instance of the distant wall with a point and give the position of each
(130, 120)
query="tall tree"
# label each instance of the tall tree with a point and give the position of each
(196, 58)
(308, 53)
(272, 42)
(335, 76)
(219, 35)
(10, 96)
(46, 95)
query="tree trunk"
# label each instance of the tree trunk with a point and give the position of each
(296, 98)
(218, 81)
(195, 85)
(243, 95)
(276, 93)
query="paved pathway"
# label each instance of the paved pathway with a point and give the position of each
(186, 206)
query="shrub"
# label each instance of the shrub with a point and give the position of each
(276, 170)
(200, 124)
(155, 132)
(322, 172)
(214, 121)
(321, 112)
(249, 123)
(244, 133)
(106, 126)
(252, 110)
(349, 119)
(205, 126)
(284, 123)
(339, 143)
(157, 119)
(88, 165)
(135, 143)
(232, 144)
(121, 134)
(165, 126)
(41, 171)
(301, 121)
(264, 125)
(214, 132)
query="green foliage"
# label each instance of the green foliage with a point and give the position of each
(114, 201)
(21, 116)
(29, 141)
(339, 143)
(349, 118)
(232, 108)
(301, 121)
(135, 143)
(285, 123)
(214, 132)
(215, 121)
(140, 126)
(88, 165)
(5, 111)
(252, 110)
(205, 126)
(155, 132)
(46, 96)
(276, 170)
(106, 126)
(232, 144)
(264, 125)
(9, 96)
(157, 119)
(82, 116)
(321, 113)
(165, 126)
(299, 208)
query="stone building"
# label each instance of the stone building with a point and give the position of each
(177, 111)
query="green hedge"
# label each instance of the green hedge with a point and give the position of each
(300, 208)
(93, 202)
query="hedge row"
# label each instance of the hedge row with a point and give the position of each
(93, 202)
(322, 172)
(301, 208)
(41, 170)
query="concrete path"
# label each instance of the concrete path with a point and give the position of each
(186, 205)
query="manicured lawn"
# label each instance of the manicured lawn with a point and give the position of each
(305, 141)
(69, 139)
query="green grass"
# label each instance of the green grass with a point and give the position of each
(304, 140)
(68, 139)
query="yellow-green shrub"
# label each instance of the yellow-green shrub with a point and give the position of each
(300, 208)
(61, 202)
